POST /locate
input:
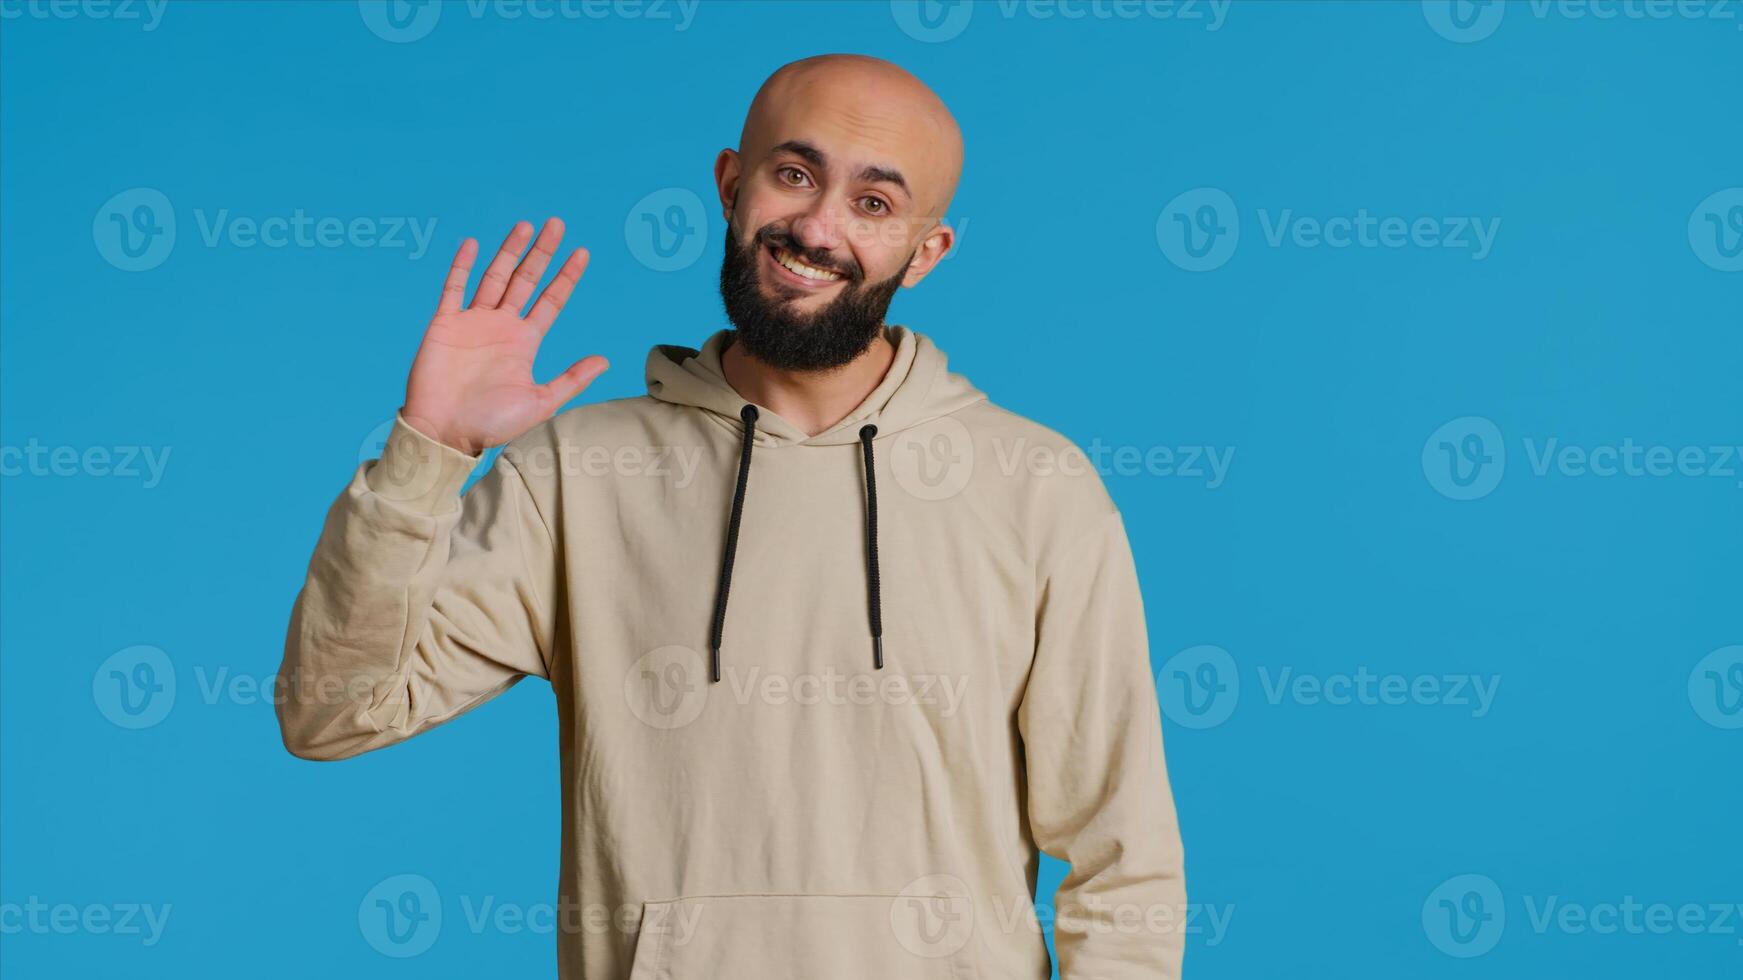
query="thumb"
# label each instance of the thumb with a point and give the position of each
(573, 381)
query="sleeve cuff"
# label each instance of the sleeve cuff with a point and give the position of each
(418, 473)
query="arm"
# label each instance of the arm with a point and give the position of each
(1098, 785)
(421, 604)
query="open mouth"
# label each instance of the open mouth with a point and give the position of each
(799, 273)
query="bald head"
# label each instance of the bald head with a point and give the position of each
(878, 104)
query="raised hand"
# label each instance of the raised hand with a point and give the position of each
(471, 385)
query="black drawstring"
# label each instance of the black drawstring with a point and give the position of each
(749, 415)
(871, 547)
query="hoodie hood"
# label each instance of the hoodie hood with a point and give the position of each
(917, 389)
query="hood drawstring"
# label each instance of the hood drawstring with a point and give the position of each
(749, 414)
(871, 547)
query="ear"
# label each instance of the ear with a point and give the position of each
(932, 249)
(726, 175)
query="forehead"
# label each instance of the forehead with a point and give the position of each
(854, 127)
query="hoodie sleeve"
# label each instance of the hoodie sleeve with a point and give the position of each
(419, 604)
(1098, 794)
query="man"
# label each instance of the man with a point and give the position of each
(824, 700)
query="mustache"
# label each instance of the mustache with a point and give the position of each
(779, 238)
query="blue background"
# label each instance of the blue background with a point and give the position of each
(1323, 829)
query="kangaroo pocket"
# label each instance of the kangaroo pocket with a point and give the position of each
(916, 936)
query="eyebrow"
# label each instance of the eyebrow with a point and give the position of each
(870, 172)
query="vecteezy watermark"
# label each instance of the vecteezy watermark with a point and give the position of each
(143, 463)
(1472, 234)
(146, 13)
(668, 688)
(131, 919)
(667, 230)
(135, 230)
(1716, 688)
(1200, 686)
(933, 916)
(1632, 917)
(936, 21)
(1207, 463)
(1364, 687)
(1200, 229)
(135, 687)
(1464, 459)
(1469, 21)
(138, 686)
(676, 465)
(1096, 916)
(937, 460)
(300, 230)
(402, 916)
(1466, 916)
(405, 21)
(1716, 229)
(836, 688)
(1464, 21)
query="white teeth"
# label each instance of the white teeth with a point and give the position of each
(799, 268)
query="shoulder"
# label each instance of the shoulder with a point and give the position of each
(609, 423)
(591, 440)
(1041, 465)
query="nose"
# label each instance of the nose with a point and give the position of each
(820, 227)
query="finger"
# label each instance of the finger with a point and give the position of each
(551, 301)
(495, 281)
(454, 290)
(532, 268)
(572, 382)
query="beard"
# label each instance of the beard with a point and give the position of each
(776, 334)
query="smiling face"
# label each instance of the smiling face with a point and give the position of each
(834, 201)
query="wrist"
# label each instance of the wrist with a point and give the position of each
(427, 426)
(418, 473)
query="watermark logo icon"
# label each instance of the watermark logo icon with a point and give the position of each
(933, 917)
(401, 916)
(400, 21)
(933, 461)
(1199, 229)
(1716, 688)
(1465, 458)
(1199, 687)
(932, 21)
(374, 445)
(135, 230)
(1464, 916)
(135, 687)
(667, 688)
(1716, 230)
(409, 467)
(667, 230)
(1464, 21)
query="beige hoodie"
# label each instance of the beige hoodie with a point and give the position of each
(810, 814)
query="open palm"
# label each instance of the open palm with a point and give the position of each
(472, 385)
